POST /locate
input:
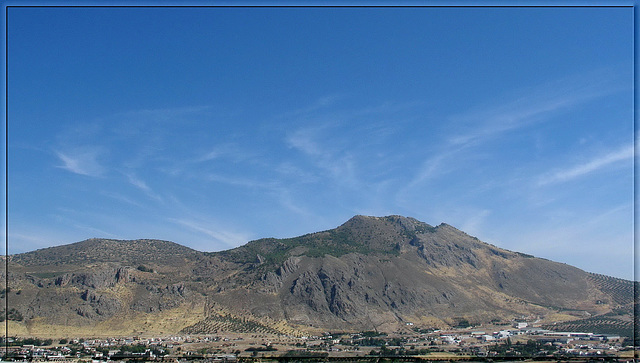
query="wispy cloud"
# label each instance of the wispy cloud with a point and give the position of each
(530, 105)
(140, 184)
(229, 238)
(240, 181)
(28, 237)
(83, 162)
(229, 150)
(122, 198)
(434, 166)
(18, 241)
(285, 198)
(303, 140)
(338, 163)
(573, 238)
(319, 104)
(476, 128)
(351, 148)
(69, 218)
(282, 191)
(473, 224)
(597, 163)
(150, 122)
(517, 114)
(211, 155)
(133, 139)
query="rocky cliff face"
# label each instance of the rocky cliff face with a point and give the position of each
(382, 271)
(369, 273)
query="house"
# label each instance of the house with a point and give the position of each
(448, 339)
(607, 337)
(488, 337)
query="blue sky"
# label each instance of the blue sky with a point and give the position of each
(211, 127)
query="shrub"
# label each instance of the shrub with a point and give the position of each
(144, 268)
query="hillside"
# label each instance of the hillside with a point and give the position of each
(399, 269)
(370, 273)
(107, 250)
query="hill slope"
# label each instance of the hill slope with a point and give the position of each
(100, 250)
(369, 273)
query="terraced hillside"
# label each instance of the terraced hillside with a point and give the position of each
(223, 323)
(621, 291)
(615, 323)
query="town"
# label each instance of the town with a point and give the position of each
(518, 341)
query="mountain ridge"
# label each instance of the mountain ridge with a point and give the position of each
(369, 273)
(80, 248)
(99, 249)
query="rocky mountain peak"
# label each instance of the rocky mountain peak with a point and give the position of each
(391, 222)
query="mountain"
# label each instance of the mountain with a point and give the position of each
(371, 273)
(102, 250)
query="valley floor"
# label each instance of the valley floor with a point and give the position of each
(468, 344)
